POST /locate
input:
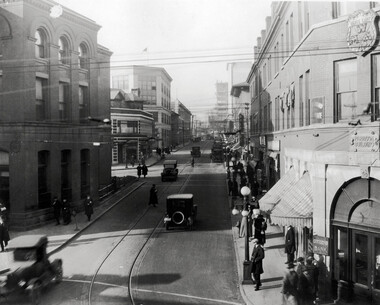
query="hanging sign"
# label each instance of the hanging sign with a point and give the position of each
(321, 245)
(361, 31)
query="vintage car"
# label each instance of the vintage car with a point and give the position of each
(170, 171)
(29, 269)
(196, 151)
(180, 211)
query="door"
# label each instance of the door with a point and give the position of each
(366, 266)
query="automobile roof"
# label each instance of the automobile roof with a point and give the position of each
(170, 162)
(27, 241)
(180, 196)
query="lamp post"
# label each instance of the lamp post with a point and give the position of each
(247, 279)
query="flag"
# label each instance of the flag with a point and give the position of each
(145, 50)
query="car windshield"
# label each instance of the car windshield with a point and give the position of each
(24, 254)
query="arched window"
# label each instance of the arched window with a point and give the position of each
(83, 56)
(63, 55)
(40, 37)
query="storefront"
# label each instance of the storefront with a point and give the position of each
(356, 234)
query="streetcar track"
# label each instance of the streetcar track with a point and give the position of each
(137, 221)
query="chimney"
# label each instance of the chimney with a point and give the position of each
(255, 53)
(263, 34)
(268, 21)
(258, 43)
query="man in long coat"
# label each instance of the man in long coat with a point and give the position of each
(257, 262)
(88, 207)
(57, 206)
(290, 244)
(153, 199)
(144, 170)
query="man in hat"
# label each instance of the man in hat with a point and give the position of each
(257, 262)
(290, 244)
(289, 286)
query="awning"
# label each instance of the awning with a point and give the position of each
(273, 196)
(236, 146)
(296, 205)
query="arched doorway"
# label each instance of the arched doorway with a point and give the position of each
(355, 220)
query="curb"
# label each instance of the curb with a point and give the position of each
(64, 244)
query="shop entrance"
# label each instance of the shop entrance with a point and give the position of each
(366, 265)
(356, 241)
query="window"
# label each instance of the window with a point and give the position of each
(270, 124)
(40, 44)
(373, 107)
(287, 46)
(291, 34)
(41, 99)
(84, 172)
(66, 175)
(43, 179)
(277, 113)
(335, 10)
(83, 102)
(307, 98)
(63, 101)
(63, 55)
(83, 56)
(345, 104)
(300, 109)
(265, 118)
(270, 68)
(121, 82)
(306, 16)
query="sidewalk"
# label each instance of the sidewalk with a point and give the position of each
(274, 266)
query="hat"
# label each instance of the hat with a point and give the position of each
(290, 265)
(300, 259)
(255, 240)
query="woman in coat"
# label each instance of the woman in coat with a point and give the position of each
(144, 170)
(88, 207)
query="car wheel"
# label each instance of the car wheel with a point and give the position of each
(35, 293)
(59, 273)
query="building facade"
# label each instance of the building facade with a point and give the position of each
(154, 86)
(53, 76)
(181, 123)
(132, 128)
(315, 123)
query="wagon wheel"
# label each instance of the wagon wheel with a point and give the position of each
(35, 293)
(59, 273)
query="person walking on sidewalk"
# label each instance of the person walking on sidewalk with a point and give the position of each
(139, 169)
(144, 170)
(57, 207)
(88, 207)
(289, 286)
(4, 235)
(66, 212)
(153, 200)
(290, 244)
(257, 262)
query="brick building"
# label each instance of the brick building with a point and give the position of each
(53, 76)
(315, 123)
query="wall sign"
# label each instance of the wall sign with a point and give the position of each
(361, 31)
(321, 245)
(365, 141)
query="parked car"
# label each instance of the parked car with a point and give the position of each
(196, 151)
(180, 211)
(170, 171)
(29, 268)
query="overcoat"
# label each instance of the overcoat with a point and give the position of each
(290, 241)
(257, 260)
(88, 206)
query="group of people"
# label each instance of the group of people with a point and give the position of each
(142, 170)
(4, 233)
(65, 209)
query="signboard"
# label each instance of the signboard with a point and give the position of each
(361, 31)
(321, 245)
(274, 145)
(365, 141)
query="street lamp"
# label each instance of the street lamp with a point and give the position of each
(247, 279)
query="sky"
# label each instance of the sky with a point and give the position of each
(193, 40)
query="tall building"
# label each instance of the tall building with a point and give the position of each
(218, 117)
(316, 124)
(154, 86)
(53, 76)
(181, 123)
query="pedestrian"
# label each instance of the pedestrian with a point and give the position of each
(3, 211)
(66, 212)
(88, 207)
(260, 227)
(57, 207)
(153, 200)
(290, 244)
(257, 262)
(139, 168)
(4, 234)
(192, 161)
(309, 282)
(144, 170)
(133, 160)
(230, 187)
(289, 286)
(302, 281)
